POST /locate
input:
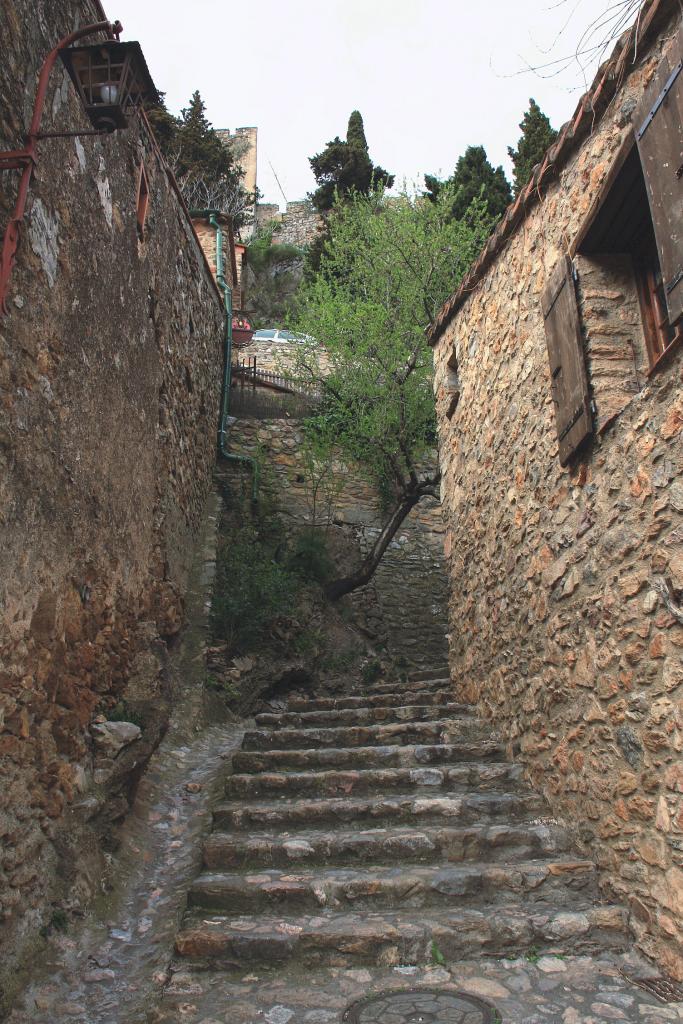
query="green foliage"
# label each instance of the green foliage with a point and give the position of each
(532, 955)
(59, 922)
(345, 167)
(437, 956)
(122, 712)
(205, 168)
(355, 132)
(225, 687)
(251, 588)
(388, 267)
(536, 138)
(309, 556)
(263, 253)
(371, 672)
(339, 661)
(474, 178)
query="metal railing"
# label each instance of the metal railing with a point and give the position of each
(267, 394)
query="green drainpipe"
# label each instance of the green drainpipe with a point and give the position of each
(227, 356)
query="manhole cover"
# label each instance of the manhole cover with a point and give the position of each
(421, 1006)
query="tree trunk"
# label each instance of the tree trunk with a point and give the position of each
(337, 588)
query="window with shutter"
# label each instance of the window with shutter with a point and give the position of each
(567, 366)
(658, 126)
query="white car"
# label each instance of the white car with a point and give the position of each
(272, 334)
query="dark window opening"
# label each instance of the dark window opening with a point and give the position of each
(622, 224)
(452, 385)
(143, 202)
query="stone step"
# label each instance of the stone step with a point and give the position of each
(416, 686)
(537, 882)
(382, 735)
(368, 757)
(448, 778)
(398, 698)
(368, 939)
(431, 843)
(361, 716)
(429, 673)
(465, 809)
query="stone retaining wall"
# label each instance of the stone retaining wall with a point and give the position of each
(567, 584)
(110, 375)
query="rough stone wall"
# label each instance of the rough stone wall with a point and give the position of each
(405, 604)
(298, 225)
(567, 585)
(110, 370)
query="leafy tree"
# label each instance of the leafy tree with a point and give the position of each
(204, 167)
(537, 136)
(387, 268)
(474, 177)
(345, 166)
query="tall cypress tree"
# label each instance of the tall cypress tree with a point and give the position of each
(345, 166)
(474, 177)
(355, 133)
(537, 136)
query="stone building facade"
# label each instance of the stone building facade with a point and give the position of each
(559, 384)
(110, 383)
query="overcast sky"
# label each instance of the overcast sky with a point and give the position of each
(430, 77)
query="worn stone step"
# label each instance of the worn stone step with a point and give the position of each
(560, 882)
(367, 938)
(397, 698)
(382, 735)
(431, 843)
(416, 686)
(368, 757)
(445, 778)
(361, 716)
(442, 672)
(467, 808)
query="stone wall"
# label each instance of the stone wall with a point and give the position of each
(298, 225)
(567, 584)
(405, 604)
(110, 375)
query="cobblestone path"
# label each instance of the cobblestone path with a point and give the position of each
(379, 842)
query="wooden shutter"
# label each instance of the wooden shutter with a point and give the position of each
(658, 125)
(568, 377)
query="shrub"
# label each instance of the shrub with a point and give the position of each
(309, 556)
(251, 589)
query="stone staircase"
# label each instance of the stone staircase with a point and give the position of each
(386, 829)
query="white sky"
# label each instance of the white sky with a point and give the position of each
(430, 77)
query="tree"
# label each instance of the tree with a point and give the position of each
(345, 166)
(474, 177)
(386, 270)
(537, 136)
(206, 170)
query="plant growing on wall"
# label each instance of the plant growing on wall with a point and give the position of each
(388, 266)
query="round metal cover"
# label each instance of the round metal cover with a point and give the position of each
(421, 1006)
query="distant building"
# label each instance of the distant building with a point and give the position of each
(243, 144)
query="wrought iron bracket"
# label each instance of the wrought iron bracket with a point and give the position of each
(24, 160)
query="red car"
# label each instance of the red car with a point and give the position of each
(241, 330)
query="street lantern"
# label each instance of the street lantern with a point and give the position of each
(111, 79)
